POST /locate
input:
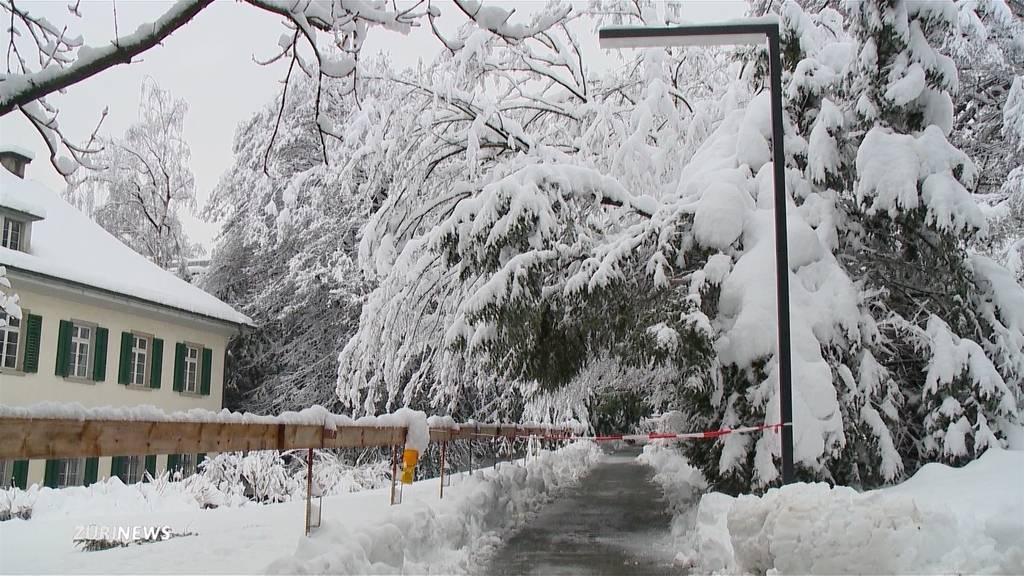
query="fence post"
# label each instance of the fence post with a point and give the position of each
(309, 487)
(394, 474)
(444, 446)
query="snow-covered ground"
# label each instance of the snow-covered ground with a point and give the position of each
(361, 533)
(942, 520)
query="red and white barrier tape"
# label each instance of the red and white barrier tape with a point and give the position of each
(683, 435)
(661, 435)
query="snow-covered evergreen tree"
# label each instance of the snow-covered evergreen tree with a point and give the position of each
(590, 244)
(539, 236)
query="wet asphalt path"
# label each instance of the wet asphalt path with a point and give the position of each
(614, 522)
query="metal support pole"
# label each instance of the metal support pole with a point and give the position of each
(444, 446)
(394, 473)
(781, 259)
(309, 487)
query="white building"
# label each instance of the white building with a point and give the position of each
(101, 325)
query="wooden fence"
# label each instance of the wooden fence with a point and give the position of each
(38, 438)
(45, 438)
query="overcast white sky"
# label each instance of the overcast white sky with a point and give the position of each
(209, 63)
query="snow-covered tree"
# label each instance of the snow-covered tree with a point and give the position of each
(539, 236)
(285, 256)
(627, 218)
(143, 180)
(988, 49)
(322, 40)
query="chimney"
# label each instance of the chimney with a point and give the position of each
(14, 159)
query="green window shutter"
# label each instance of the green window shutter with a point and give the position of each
(179, 367)
(173, 462)
(52, 471)
(63, 348)
(117, 467)
(156, 363)
(33, 335)
(204, 375)
(99, 359)
(21, 474)
(92, 466)
(124, 368)
(199, 460)
(151, 465)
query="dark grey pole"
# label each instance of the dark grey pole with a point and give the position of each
(781, 259)
(744, 33)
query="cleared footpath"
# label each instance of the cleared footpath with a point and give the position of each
(615, 522)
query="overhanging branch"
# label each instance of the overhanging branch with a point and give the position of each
(39, 84)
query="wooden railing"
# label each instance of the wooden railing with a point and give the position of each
(38, 438)
(50, 438)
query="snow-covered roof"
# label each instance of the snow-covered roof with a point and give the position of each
(25, 198)
(20, 151)
(69, 246)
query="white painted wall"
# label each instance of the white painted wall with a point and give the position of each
(55, 303)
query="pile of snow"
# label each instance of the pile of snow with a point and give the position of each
(942, 520)
(428, 535)
(230, 479)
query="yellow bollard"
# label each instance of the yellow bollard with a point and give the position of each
(409, 459)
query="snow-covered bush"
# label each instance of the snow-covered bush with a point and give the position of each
(269, 476)
(16, 503)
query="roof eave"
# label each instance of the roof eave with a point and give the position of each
(241, 327)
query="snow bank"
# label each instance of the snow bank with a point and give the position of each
(683, 485)
(222, 483)
(942, 520)
(427, 535)
(244, 537)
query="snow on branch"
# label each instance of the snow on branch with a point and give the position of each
(496, 20)
(69, 62)
(63, 60)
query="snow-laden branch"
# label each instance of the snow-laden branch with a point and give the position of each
(18, 90)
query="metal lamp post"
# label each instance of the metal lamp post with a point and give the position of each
(754, 32)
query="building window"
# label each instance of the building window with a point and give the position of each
(13, 234)
(70, 472)
(189, 462)
(6, 473)
(140, 351)
(181, 466)
(134, 466)
(191, 369)
(81, 338)
(10, 334)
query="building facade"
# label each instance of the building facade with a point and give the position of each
(100, 326)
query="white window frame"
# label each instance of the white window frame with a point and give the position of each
(7, 332)
(66, 477)
(6, 473)
(134, 469)
(8, 230)
(187, 464)
(191, 376)
(78, 342)
(146, 352)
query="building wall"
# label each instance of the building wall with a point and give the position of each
(54, 304)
